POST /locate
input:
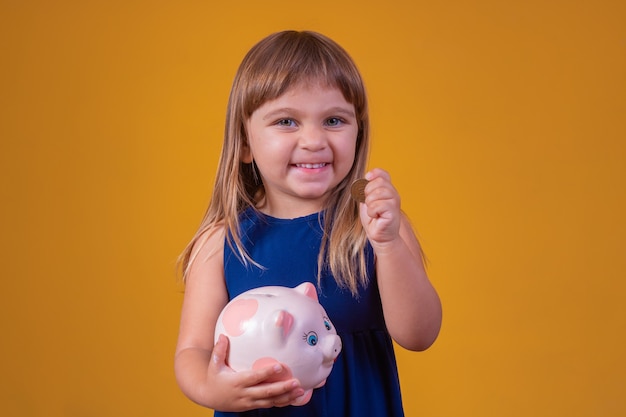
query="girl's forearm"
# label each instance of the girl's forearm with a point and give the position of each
(191, 365)
(411, 306)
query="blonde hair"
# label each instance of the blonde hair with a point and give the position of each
(275, 64)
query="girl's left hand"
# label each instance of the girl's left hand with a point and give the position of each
(380, 214)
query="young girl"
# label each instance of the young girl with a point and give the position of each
(297, 136)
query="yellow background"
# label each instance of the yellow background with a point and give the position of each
(502, 124)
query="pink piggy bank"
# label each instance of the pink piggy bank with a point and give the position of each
(274, 324)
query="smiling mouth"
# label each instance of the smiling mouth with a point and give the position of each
(312, 166)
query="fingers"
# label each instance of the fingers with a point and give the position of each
(220, 351)
(377, 173)
(273, 386)
(380, 195)
(280, 394)
(271, 394)
(265, 387)
(270, 373)
(380, 215)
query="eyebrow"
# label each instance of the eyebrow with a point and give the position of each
(333, 110)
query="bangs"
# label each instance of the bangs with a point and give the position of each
(286, 59)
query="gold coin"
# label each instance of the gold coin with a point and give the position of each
(357, 189)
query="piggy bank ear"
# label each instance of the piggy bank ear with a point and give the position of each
(284, 321)
(278, 326)
(307, 289)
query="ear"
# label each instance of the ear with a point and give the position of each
(276, 328)
(284, 321)
(246, 154)
(308, 289)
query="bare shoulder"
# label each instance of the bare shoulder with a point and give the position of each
(206, 263)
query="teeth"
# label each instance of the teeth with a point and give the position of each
(311, 166)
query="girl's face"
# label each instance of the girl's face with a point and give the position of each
(304, 144)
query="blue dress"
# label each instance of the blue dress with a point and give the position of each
(364, 379)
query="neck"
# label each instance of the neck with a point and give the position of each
(289, 210)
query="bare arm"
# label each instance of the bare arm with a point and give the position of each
(411, 305)
(201, 369)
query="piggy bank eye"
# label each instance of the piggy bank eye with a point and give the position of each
(327, 324)
(311, 338)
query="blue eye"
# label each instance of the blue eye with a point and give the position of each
(285, 122)
(311, 338)
(334, 121)
(327, 324)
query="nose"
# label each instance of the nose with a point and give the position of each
(333, 347)
(313, 138)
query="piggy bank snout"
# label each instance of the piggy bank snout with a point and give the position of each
(332, 347)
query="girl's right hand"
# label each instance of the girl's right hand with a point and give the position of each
(247, 390)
